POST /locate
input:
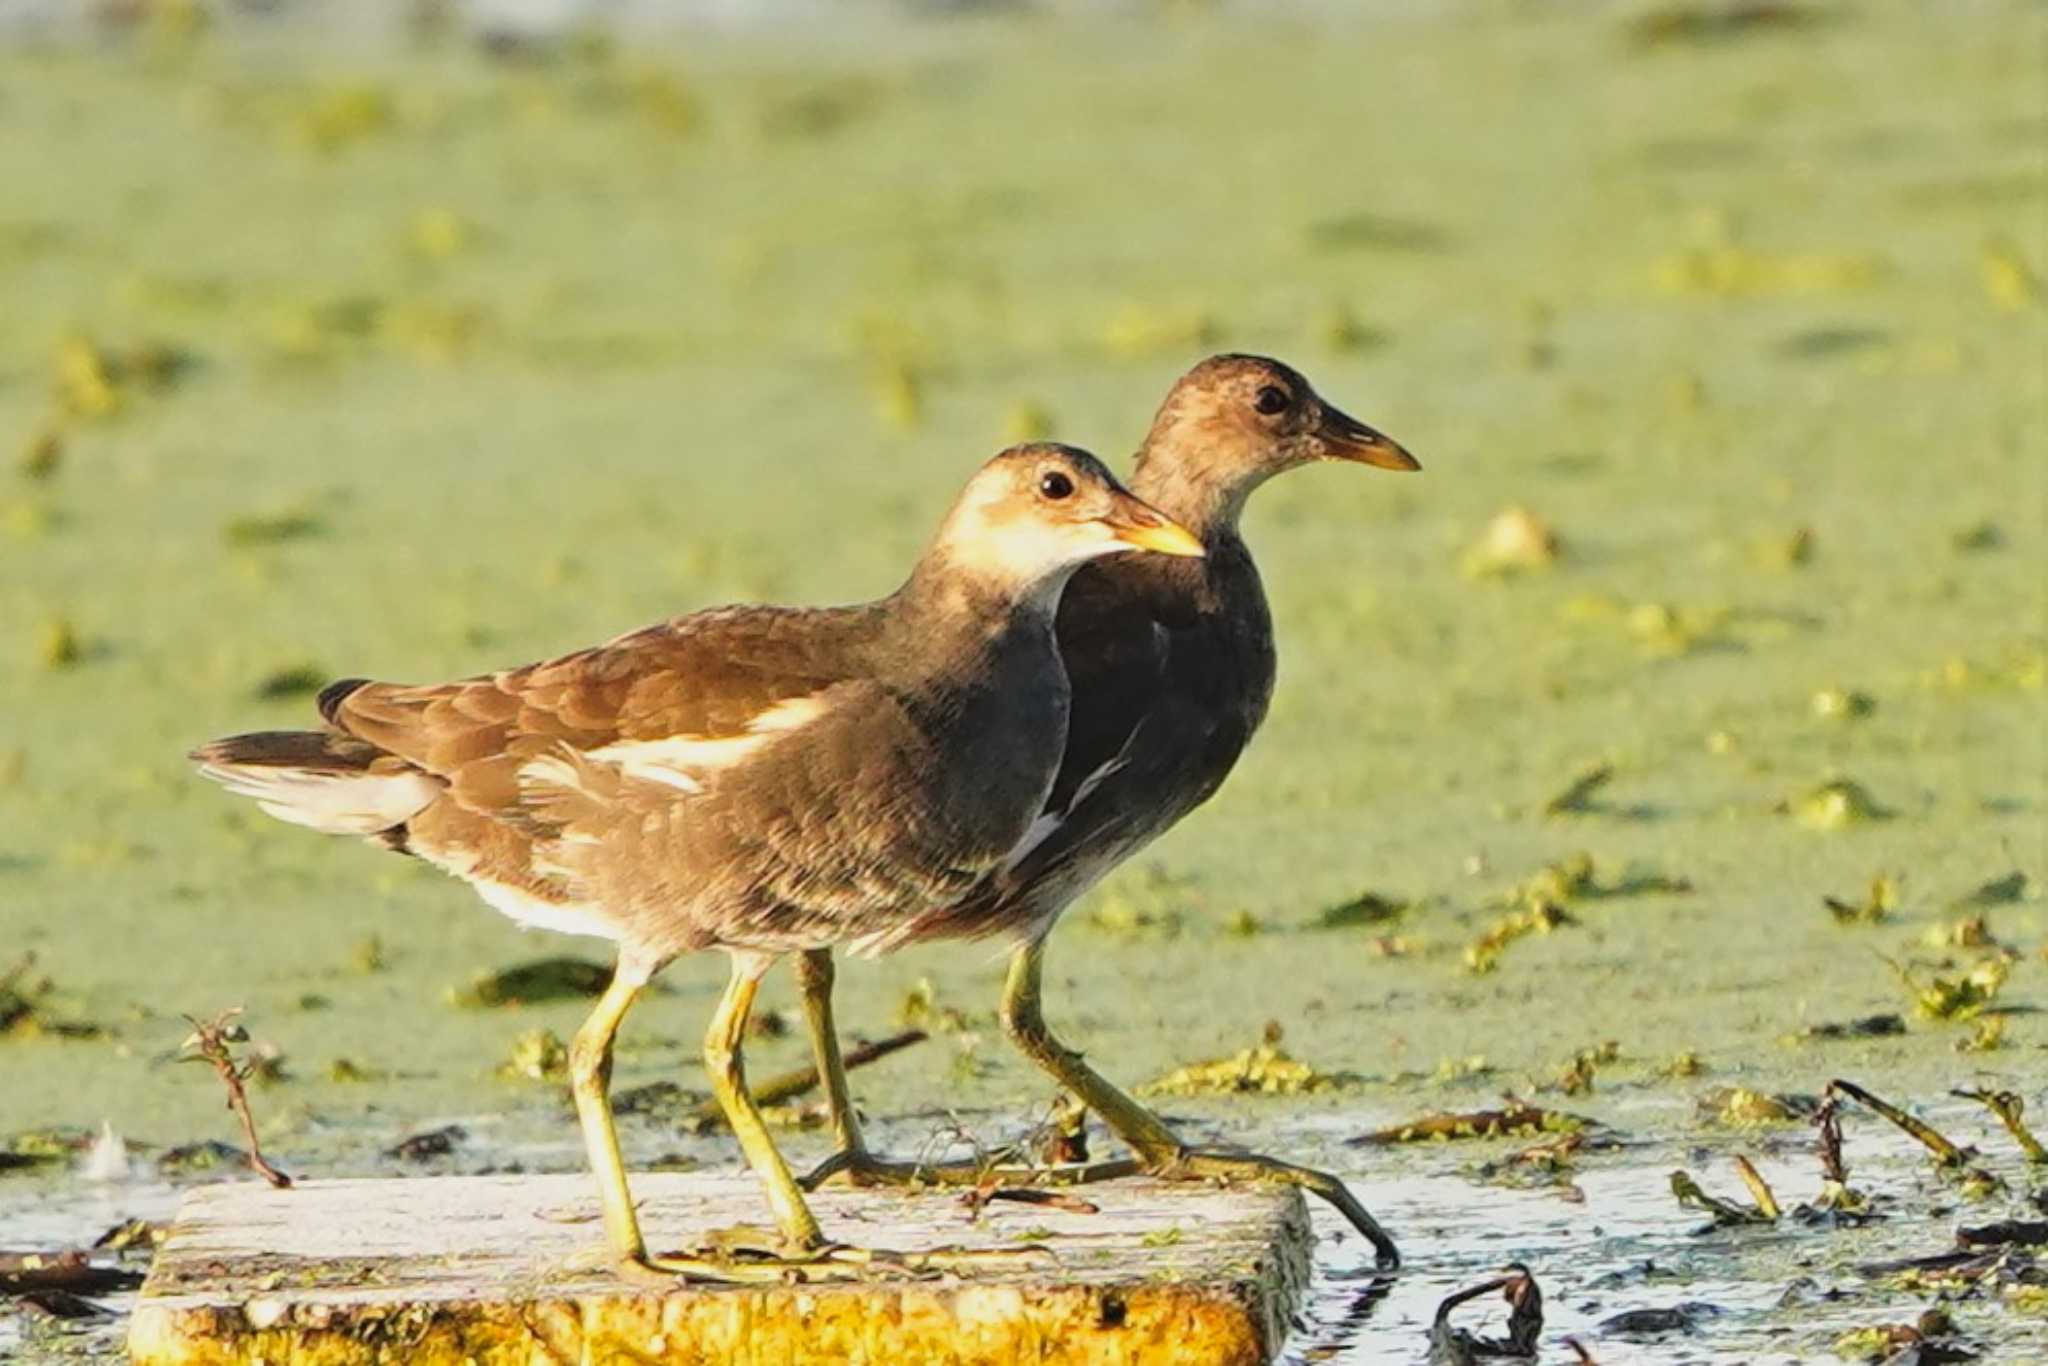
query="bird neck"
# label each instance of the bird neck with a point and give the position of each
(1207, 498)
(949, 606)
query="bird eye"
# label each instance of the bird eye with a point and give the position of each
(1272, 399)
(1055, 485)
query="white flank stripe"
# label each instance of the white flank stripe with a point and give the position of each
(534, 913)
(682, 761)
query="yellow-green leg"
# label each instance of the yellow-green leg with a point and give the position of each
(1159, 1152)
(590, 1074)
(726, 1067)
(804, 1253)
(851, 1163)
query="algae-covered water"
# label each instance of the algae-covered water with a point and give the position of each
(410, 356)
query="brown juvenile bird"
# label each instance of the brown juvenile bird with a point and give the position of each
(753, 779)
(1171, 664)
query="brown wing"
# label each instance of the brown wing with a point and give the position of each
(706, 675)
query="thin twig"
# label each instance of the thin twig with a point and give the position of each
(706, 1115)
(212, 1042)
(1945, 1153)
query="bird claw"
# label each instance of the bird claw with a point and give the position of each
(754, 1265)
(1209, 1164)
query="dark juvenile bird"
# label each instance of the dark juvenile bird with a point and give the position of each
(1171, 665)
(753, 779)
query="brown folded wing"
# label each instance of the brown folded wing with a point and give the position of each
(704, 676)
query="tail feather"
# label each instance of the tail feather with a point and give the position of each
(325, 781)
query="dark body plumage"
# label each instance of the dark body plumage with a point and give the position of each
(1171, 662)
(1171, 667)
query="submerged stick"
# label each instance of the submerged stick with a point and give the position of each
(1759, 1189)
(25, 1273)
(2009, 1108)
(706, 1114)
(1945, 1153)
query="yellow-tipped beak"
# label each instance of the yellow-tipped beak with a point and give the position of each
(1138, 524)
(1346, 438)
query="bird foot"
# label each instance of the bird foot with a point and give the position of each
(737, 1263)
(1230, 1168)
(860, 1168)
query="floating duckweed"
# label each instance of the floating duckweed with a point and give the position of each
(1515, 541)
(1977, 536)
(921, 1008)
(1367, 908)
(1967, 932)
(341, 115)
(557, 978)
(291, 680)
(1515, 1119)
(1956, 998)
(1878, 903)
(86, 385)
(1576, 1077)
(1837, 805)
(1730, 270)
(1739, 1107)
(1692, 22)
(436, 332)
(368, 955)
(661, 98)
(1666, 631)
(1450, 1070)
(1880, 1026)
(2008, 279)
(1999, 891)
(42, 453)
(1483, 954)
(537, 1055)
(1843, 704)
(271, 528)
(899, 397)
(1987, 1035)
(1263, 1070)
(1027, 421)
(1340, 332)
(440, 233)
(1137, 331)
(1577, 797)
(1792, 550)
(57, 644)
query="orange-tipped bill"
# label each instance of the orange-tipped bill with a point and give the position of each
(1344, 437)
(1138, 523)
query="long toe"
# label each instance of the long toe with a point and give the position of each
(1198, 1164)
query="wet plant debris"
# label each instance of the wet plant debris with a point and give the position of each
(1515, 1119)
(1449, 1346)
(1265, 1069)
